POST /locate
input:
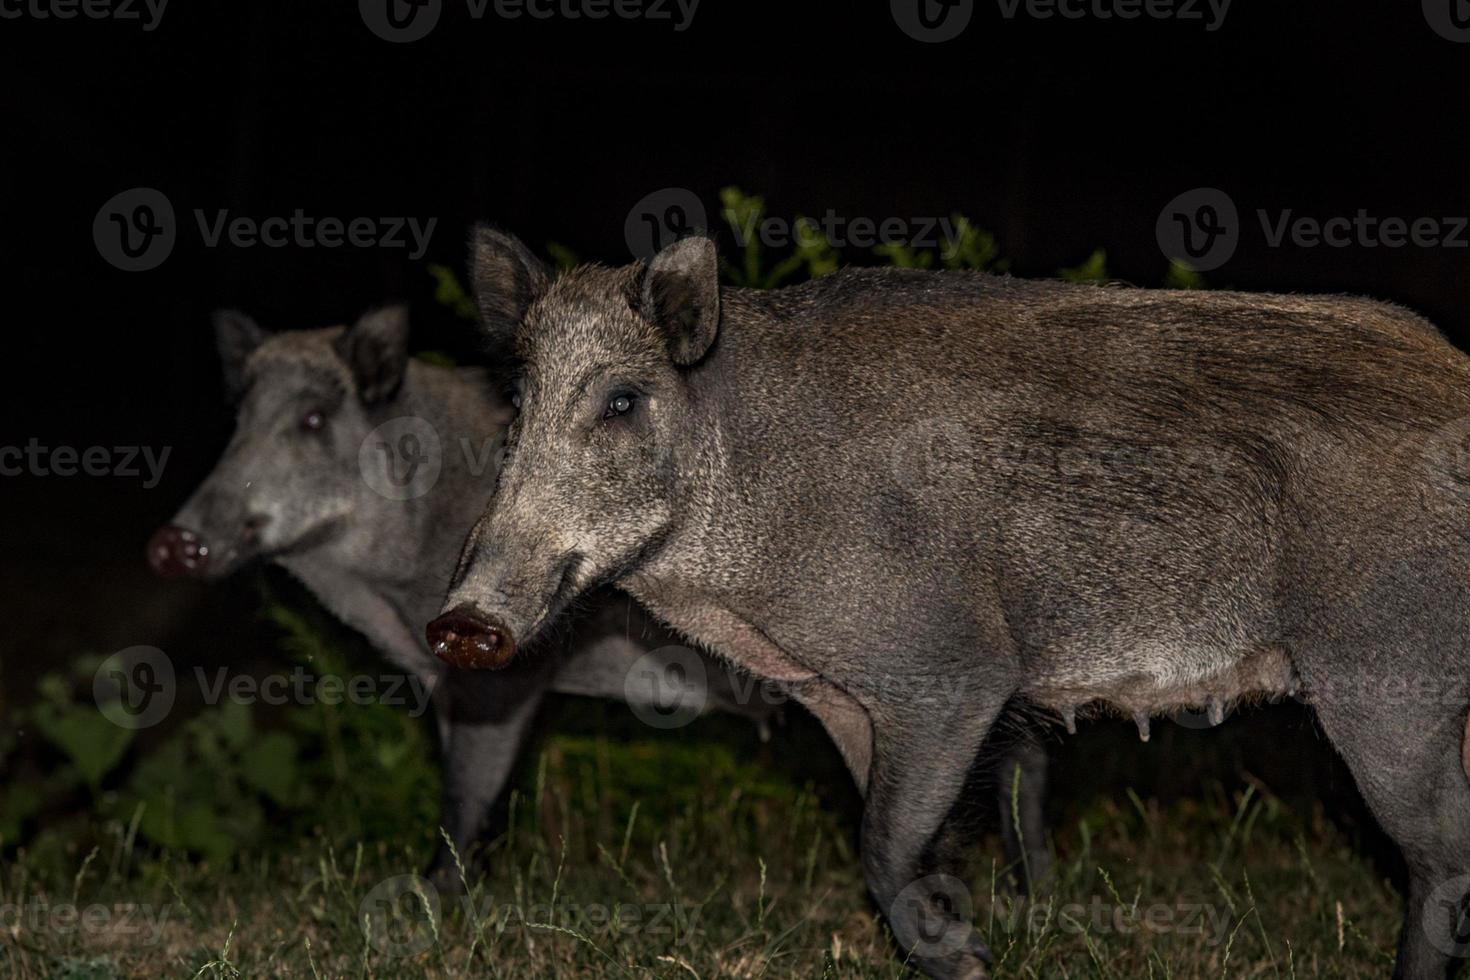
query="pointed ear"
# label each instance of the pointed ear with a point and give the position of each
(376, 349)
(681, 296)
(506, 279)
(235, 336)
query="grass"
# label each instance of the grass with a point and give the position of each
(725, 866)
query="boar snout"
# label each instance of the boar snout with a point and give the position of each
(177, 552)
(466, 637)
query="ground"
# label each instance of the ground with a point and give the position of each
(736, 872)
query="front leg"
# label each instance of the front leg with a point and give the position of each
(923, 753)
(487, 716)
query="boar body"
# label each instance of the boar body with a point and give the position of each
(921, 497)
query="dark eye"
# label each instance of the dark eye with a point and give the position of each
(515, 400)
(619, 404)
(313, 421)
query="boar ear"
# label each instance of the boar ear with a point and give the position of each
(235, 336)
(376, 349)
(681, 296)
(506, 279)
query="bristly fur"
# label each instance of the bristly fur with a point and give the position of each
(917, 497)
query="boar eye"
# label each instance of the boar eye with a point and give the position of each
(515, 400)
(619, 404)
(313, 421)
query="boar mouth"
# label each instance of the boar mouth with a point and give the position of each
(562, 593)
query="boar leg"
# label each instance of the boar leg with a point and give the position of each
(1385, 663)
(1027, 857)
(923, 754)
(1406, 761)
(488, 715)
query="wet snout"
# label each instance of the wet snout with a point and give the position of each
(469, 638)
(177, 552)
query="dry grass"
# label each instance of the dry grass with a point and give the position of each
(746, 876)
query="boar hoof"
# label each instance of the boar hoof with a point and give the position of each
(466, 637)
(1140, 718)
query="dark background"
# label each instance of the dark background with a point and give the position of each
(1060, 136)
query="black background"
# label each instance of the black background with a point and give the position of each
(1059, 135)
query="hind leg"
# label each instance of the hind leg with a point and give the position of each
(1021, 795)
(1405, 753)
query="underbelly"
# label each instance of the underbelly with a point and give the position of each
(1263, 673)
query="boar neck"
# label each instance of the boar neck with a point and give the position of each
(386, 575)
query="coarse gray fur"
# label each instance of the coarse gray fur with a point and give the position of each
(300, 499)
(918, 497)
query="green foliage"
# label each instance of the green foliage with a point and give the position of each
(1181, 276)
(562, 257)
(90, 742)
(1093, 269)
(230, 778)
(449, 293)
(812, 254)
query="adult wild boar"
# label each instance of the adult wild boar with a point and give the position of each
(299, 485)
(1138, 500)
(311, 482)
